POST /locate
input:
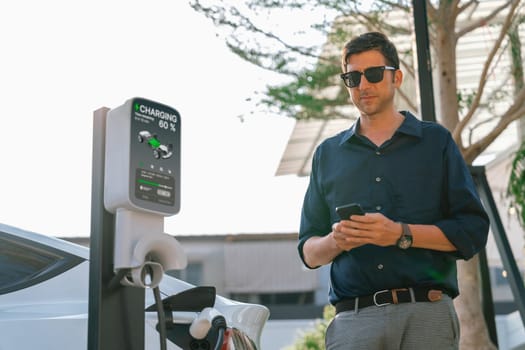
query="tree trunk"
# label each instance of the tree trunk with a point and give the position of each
(474, 332)
(445, 46)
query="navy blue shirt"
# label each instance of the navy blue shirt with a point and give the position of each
(416, 177)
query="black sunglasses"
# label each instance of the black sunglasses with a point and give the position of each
(372, 74)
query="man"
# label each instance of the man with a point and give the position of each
(393, 270)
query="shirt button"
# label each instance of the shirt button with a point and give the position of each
(378, 179)
(378, 207)
(378, 153)
(380, 266)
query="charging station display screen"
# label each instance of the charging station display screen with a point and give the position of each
(155, 156)
(155, 187)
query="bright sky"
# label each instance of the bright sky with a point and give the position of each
(61, 60)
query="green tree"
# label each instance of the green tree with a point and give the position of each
(476, 117)
(314, 339)
(516, 188)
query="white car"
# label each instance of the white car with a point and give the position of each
(44, 292)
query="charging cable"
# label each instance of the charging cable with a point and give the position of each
(219, 322)
(208, 318)
(160, 314)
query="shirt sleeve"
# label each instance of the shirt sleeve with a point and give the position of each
(466, 223)
(315, 214)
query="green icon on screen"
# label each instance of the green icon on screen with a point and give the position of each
(159, 150)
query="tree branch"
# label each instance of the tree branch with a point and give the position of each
(483, 81)
(431, 11)
(516, 111)
(484, 20)
(467, 6)
(217, 15)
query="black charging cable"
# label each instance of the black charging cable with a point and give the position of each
(160, 314)
(219, 323)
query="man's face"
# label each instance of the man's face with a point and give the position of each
(373, 98)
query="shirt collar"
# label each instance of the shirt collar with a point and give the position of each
(410, 126)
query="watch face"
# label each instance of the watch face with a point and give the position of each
(404, 242)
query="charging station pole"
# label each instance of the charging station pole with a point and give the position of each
(116, 314)
(135, 184)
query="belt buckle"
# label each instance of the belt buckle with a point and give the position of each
(375, 296)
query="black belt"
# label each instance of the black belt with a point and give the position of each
(390, 296)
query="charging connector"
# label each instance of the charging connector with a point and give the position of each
(201, 325)
(207, 319)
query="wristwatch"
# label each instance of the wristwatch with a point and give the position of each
(405, 241)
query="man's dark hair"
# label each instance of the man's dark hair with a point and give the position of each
(371, 41)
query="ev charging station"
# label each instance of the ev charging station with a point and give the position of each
(136, 183)
(141, 186)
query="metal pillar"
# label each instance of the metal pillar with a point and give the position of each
(507, 257)
(426, 89)
(487, 301)
(116, 313)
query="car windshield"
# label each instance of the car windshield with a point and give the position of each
(23, 263)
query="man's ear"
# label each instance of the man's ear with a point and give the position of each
(397, 79)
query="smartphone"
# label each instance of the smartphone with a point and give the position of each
(345, 211)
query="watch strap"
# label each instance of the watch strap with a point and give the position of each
(406, 230)
(405, 240)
